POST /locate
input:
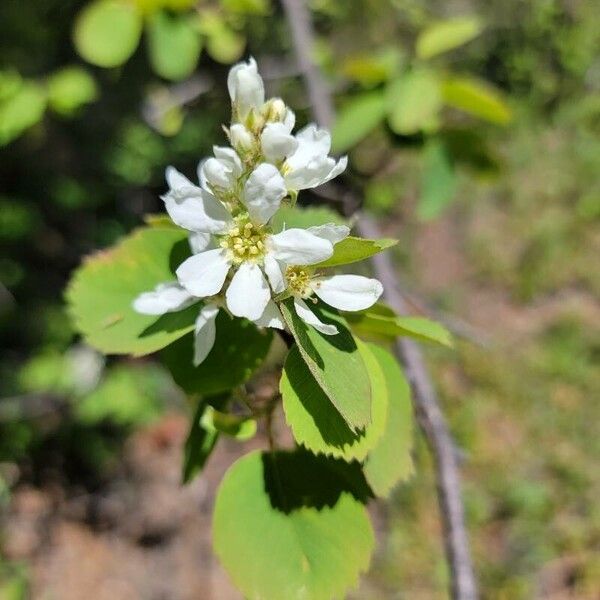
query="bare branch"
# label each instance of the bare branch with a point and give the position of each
(429, 414)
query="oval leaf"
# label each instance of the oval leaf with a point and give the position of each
(476, 98)
(438, 180)
(288, 525)
(69, 89)
(21, 110)
(357, 118)
(390, 461)
(316, 423)
(104, 286)
(107, 32)
(353, 249)
(447, 35)
(173, 45)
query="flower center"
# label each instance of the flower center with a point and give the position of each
(298, 280)
(245, 241)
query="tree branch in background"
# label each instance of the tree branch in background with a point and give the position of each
(429, 414)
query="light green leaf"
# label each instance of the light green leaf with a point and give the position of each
(103, 288)
(107, 32)
(239, 350)
(69, 89)
(390, 461)
(381, 320)
(447, 35)
(297, 216)
(10, 83)
(357, 118)
(174, 45)
(21, 110)
(477, 98)
(353, 249)
(370, 69)
(240, 427)
(247, 7)
(438, 180)
(335, 363)
(316, 423)
(414, 100)
(223, 43)
(289, 525)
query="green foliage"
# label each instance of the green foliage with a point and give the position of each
(335, 363)
(22, 106)
(239, 427)
(223, 43)
(476, 98)
(438, 180)
(239, 345)
(102, 290)
(353, 249)
(357, 118)
(301, 217)
(414, 101)
(390, 461)
(447, 35)
(198, 445)
(301, 509)
(174, 45)
(107, 32)
(315, 422)
(380, 320)
(69, 89)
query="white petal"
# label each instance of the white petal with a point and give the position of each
(204, 274)
(274, 273)
(177, 180)
(263, 192)
(196, 209)
(240, 137)
(217, 174)
(246, 87)
(348, 292)
(248, 293)
(276, 142)
(204, 333)
(164, 298)
(289, 120)
(271, 317)
(199, 242)
(230, 157)
(299, 247)
(330, 231)
(309, 317)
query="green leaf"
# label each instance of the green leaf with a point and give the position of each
(107, 32)
(297, 216)
(198, 445)
(289, 525)
(10, 83)
(383, 321)
(247, 7)
(239, 350)
(390, 461)
(477, 98)
(335, 363)
(371, 69)
(438, 180)
(447, 35)
(414, 101)
(357, 118)
(353, 249)
(240, 427)
(103, 288)
(223, 43)
(174, 45)
(21, 110)
(69, 89)
(316, 423)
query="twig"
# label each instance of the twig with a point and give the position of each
(429, 414)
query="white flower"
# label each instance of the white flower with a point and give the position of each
(310, 165)
(241, 139)
(246, 89)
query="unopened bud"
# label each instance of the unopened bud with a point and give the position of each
(241, 139)
(275, 110)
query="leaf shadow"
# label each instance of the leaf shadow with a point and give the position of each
(171, 322)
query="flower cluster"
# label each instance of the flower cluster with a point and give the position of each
(238, 262)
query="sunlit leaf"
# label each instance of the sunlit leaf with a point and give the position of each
(292, 525)
(438, 180)
(223, 43)
(447, 35)
(248, 7)
(71, 88)
(357, 118)
(414, 100)
(21, 110)
(174, 45)
(240, 427)
(477, 98)
(390, 461)
(316, 423)
(102, 290)
(107, 32)
(303, 218)
(353, 249)
(10, 83)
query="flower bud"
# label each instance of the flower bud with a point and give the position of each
(216, 173)
(241, 139)
(275, 110)
(246, 89)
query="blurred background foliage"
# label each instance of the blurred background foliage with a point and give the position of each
(473, 132)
